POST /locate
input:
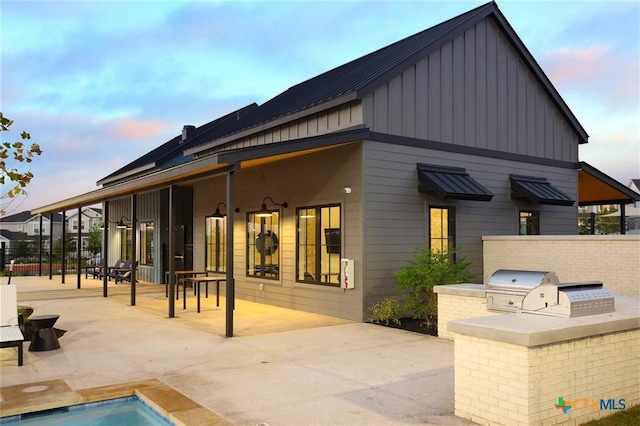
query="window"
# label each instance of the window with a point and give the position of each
(529, 222)
(215, 244)
(442, 226)
(319, 245)
(125, 243)
(263, 251)
(146, 243)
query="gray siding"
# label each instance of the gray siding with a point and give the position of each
(314, 179)
(149, 208)
(395, 213)
(474, 91)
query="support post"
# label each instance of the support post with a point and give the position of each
(170, 259)
(79, 247)
(230, 291)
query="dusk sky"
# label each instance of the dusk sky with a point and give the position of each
(100, 83)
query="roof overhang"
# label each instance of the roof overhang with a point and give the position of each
(596, 188)
(176, 175)
(211, 165)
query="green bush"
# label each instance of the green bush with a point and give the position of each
(385, 311)
(426, 270)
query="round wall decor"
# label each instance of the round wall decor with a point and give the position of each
(267, 243)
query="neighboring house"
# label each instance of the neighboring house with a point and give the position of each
(26, 226)
(90, 218)
(438, 139)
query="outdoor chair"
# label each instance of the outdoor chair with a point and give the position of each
(123, 273)
(12, 325)
(94, 270)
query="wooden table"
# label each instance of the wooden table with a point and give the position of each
(184, 275)
(209, 278)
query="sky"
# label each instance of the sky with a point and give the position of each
(100, 83)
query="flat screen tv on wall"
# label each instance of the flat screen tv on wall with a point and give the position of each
(332, 238)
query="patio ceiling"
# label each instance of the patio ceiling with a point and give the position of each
(596, 188)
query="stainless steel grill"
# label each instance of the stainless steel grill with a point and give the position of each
(507, 288)
(541, 292)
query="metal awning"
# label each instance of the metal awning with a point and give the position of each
(538, 190)
(450, 183)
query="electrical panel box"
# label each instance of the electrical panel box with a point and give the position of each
(346, 274)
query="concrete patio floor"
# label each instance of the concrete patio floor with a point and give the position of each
(282, 367)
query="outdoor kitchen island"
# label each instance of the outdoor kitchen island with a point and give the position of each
(530, 369)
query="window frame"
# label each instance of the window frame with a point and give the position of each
(533, 219)
(451, 228)
(318, 248)
(270, 270)
(219, 243)
(146, 244)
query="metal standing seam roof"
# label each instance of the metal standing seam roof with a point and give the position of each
(451, 183)
(538, 191)
(358, 77)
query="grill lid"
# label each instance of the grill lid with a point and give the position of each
(519, 280)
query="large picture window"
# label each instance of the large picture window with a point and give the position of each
(442, 225)
(215, 244)
(529, 222)
(319, 245)
(263, 245)
(146, 243)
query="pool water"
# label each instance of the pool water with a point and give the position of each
(129, 411)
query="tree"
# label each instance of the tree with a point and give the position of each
(94, 240)
(16, 153)
(608, 225)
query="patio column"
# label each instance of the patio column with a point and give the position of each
(105, 246)
(134, 214)
(170, 257)
(50, 246)
(63, 263)
(230, 291)
(623, 220)
(79, 246)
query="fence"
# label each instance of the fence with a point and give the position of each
(33, 263)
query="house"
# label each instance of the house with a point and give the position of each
(25, 226)
(315, 198)
(84, 220)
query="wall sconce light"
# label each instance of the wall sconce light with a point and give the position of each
(263, 212)
(217, 215)
(120, 224)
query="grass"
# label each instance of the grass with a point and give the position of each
(628, 417)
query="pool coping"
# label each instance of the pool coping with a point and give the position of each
(39, 396)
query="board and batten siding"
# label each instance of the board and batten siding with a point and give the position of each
(309, 180)
(474, 91)
(149, 207)
(332, 120)
(395, 214)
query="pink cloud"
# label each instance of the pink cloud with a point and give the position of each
(598, 69)
(131, 128)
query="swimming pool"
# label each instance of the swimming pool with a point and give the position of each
(130, 411)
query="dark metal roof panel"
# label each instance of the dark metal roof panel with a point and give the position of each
(538, 191)
(451, 183)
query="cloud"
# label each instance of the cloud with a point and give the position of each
(131, 128)
(597, 69)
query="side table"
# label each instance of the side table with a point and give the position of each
(44, 336)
